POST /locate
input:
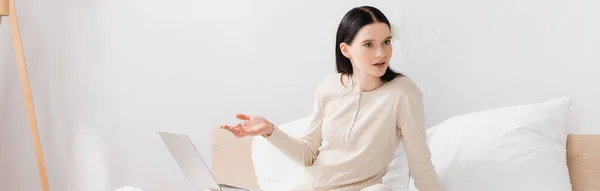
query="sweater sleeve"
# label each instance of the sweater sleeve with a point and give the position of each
(305, 149)
(411, 124)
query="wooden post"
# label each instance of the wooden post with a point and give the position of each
(7, 8)
(3, 7)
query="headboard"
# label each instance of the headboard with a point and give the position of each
(232, 163)
(231, 160)
(583, 159)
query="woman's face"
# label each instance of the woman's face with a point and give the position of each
(371, 49)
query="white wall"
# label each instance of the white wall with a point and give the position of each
(470, 55)
(107, 74)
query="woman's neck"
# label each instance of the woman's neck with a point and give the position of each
(365, 82)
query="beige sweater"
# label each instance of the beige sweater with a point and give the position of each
(353, 137)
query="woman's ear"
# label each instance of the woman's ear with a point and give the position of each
(345, 49)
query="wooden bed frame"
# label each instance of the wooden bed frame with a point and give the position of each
(583, 159)
(232, 163)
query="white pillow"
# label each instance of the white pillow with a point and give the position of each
(397, 178)
(273, 169)
(516, 148)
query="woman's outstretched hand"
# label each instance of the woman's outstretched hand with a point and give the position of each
(251, 126)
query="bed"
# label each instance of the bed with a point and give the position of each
(232, 162)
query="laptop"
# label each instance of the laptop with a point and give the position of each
(191, 162)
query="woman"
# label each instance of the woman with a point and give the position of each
(360, 116)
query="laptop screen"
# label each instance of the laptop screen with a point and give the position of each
(189, 159)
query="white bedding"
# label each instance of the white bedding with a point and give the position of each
(516, 148)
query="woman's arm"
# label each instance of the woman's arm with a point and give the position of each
(304, 150)
(411, 124)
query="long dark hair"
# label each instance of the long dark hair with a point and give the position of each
(352, 22)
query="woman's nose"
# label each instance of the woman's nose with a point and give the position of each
(379, 53)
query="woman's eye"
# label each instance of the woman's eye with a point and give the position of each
(368, 44)
(387, 42)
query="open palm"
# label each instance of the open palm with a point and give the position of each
(251, 126)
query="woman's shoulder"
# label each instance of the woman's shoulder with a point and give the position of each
(329, 81)
(328, 86)
(404, 86)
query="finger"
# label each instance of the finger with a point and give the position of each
(239, 133)
(242, 117)
(238, 129)
(236, 132)
(226, 127)
(235, 128)
(229, 128)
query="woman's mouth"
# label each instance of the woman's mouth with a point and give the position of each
(380, 64)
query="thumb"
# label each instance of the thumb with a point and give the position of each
(243, 117)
